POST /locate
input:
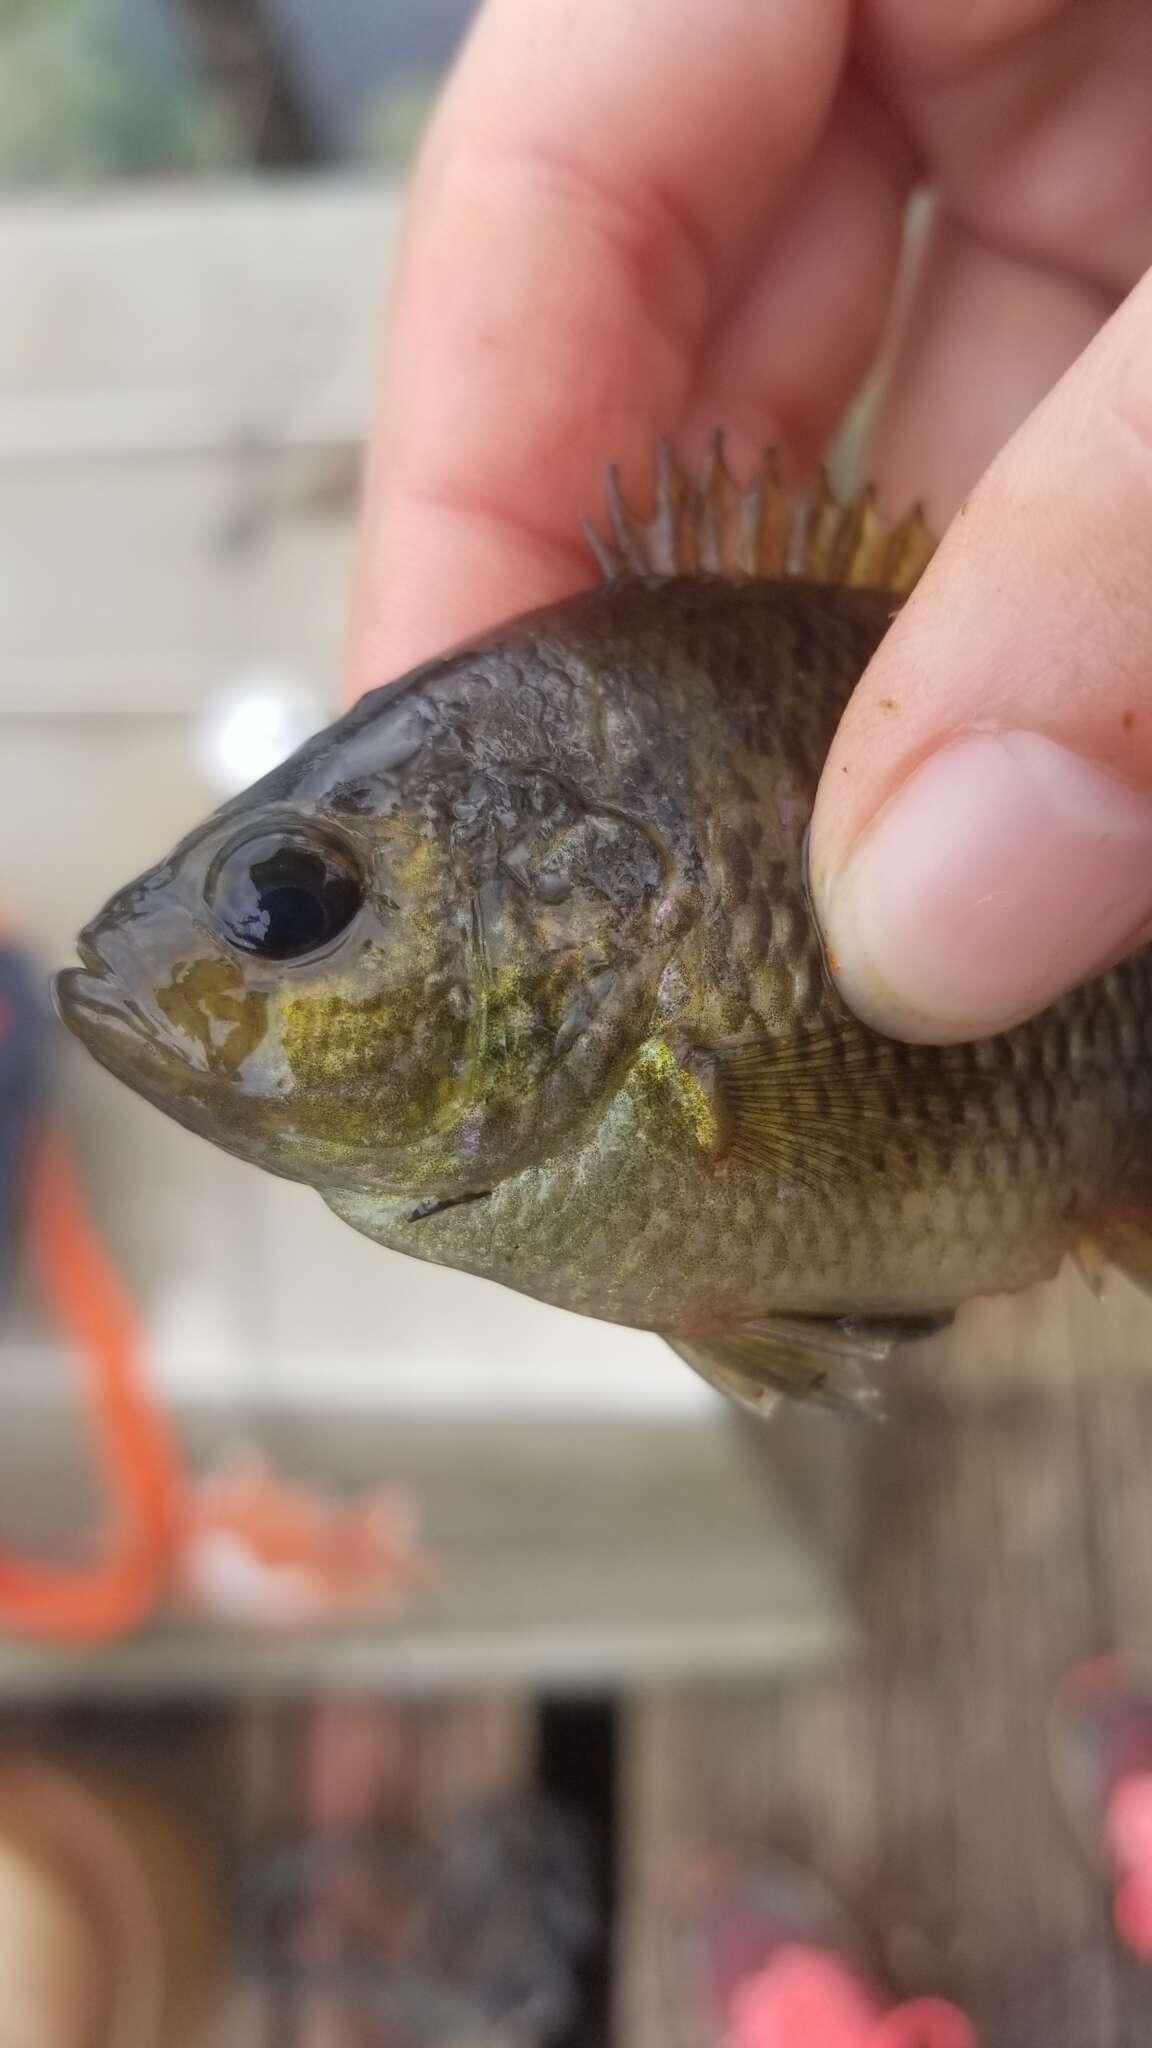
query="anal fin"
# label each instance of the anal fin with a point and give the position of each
(826, 1361)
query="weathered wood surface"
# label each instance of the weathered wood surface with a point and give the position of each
(566, 1559)
(1001, 1531)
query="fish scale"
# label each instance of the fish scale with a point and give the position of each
(618, 1232)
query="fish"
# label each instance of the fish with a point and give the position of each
(515, 964)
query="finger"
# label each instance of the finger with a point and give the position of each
(985, 334)
(596, 185)
(809, 320)
(983, 835)
(1032, 117)
(1032, 120)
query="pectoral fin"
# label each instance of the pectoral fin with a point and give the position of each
(817, 1103)
(824, 1360)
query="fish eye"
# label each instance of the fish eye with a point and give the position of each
(284, 894)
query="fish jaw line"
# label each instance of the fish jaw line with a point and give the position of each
(99, 1011)
(120, 1038)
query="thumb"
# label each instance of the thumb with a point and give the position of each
(983, 833)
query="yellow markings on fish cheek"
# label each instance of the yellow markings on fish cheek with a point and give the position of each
(674, 1097)
(208, 1002)
(328, 1037)
(371, 1069)
(413, 863)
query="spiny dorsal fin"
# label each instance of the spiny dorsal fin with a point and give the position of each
(719, 527)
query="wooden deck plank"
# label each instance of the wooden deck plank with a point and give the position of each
(580, 1558)
(1001, 1534)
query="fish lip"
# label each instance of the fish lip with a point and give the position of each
(90, 957)
(96, 1007)
(85, 1000)
(118, 1037)
(94, 972)
(74, 996)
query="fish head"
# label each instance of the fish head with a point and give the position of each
(413, 959)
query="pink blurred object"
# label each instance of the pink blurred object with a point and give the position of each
(924, 2023)
(803, 1995)
(810, 1997)
(1102, 1763)
(767, 1957)
(1128, 1831)
(1132, 1914)
(258, 1552)
(1128, 1821)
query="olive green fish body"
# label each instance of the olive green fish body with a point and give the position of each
(515, 965)
(640, 1227)
(998, 1157)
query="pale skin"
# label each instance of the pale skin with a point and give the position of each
(661, 217)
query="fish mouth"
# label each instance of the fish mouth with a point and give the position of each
(96, 1007)
(123, 1039)
(92, 959)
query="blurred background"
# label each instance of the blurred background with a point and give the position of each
(631, 1630)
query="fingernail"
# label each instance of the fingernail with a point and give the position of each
(1006, 870)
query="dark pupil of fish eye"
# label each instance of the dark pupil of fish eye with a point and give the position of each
(283, 899)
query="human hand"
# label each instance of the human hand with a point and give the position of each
(646, 219)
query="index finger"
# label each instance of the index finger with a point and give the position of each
(586, 203)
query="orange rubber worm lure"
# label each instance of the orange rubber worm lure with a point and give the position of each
(302, 1557)
(120, 1588)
